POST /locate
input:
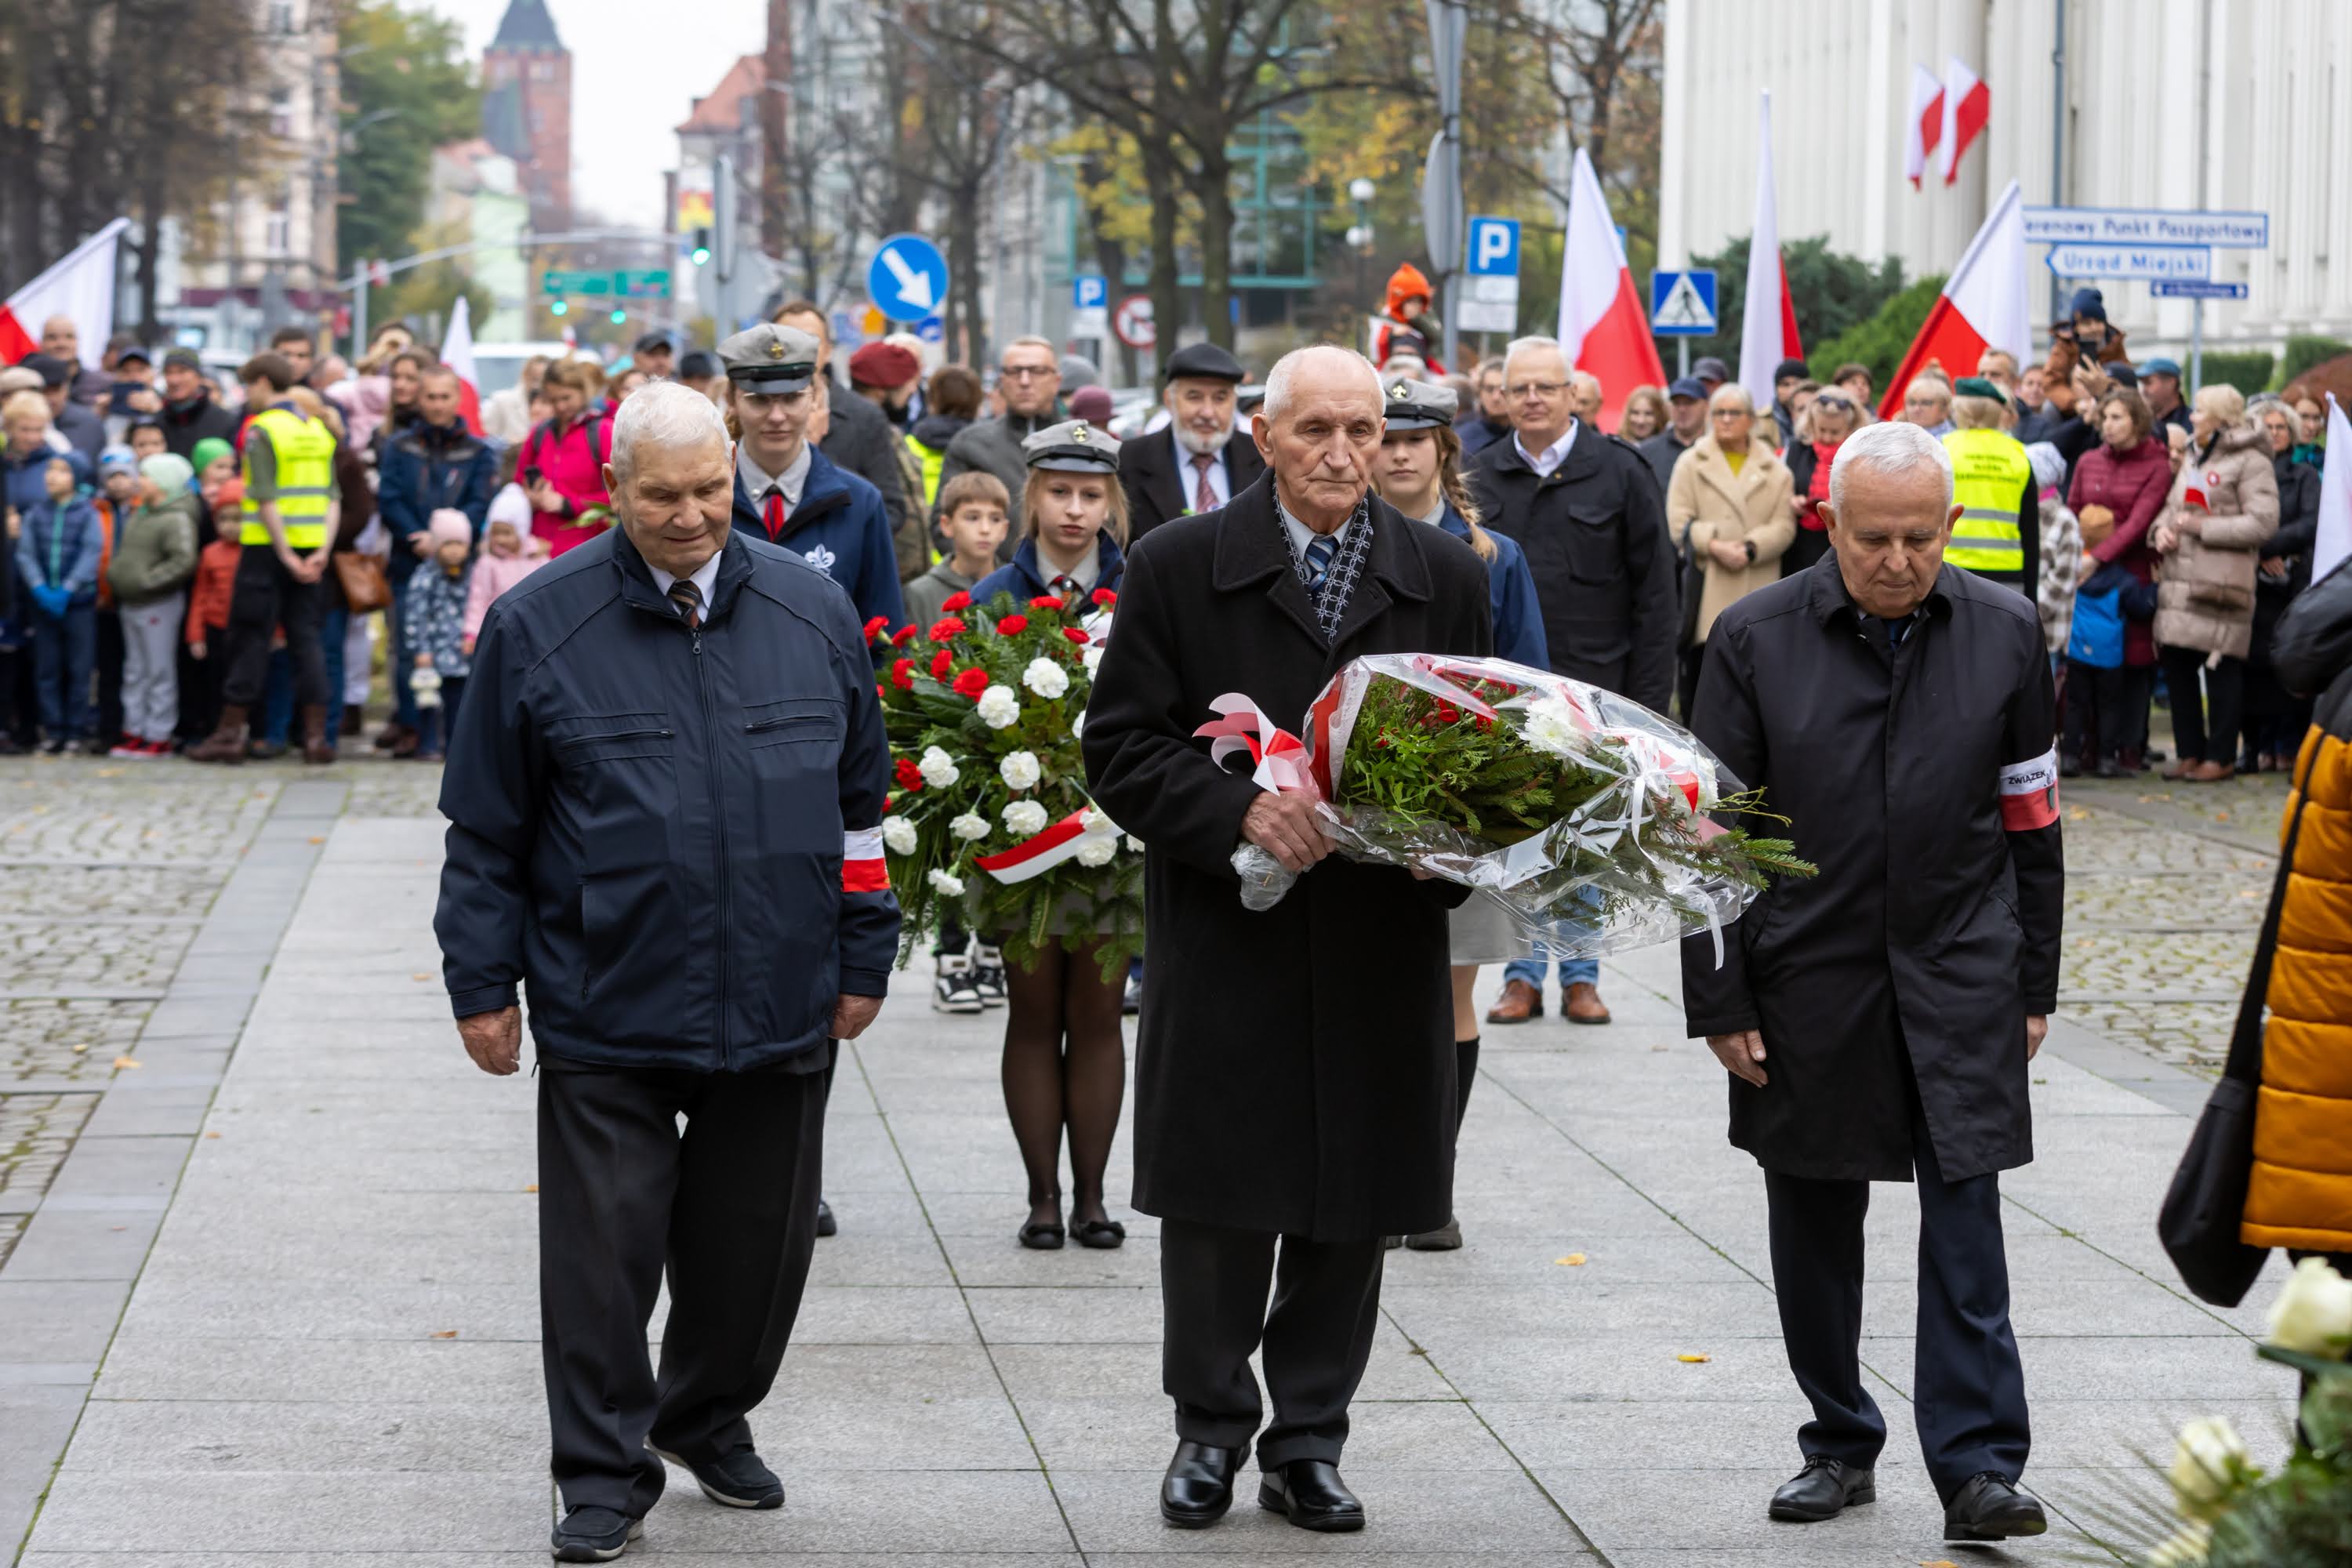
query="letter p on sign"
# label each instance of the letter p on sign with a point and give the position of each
(1493, 247)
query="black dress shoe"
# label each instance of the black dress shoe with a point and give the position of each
(593, 1534)
(1990, 1507)
(1822, 1489)
(738, 1480)
(824, 1225)
(1198, 1485)
(1311, 1495)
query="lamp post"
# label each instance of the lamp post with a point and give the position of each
(1361, 191)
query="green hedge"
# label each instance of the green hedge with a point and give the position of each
(2304, 351)
(1882, 340)
(2249, 373)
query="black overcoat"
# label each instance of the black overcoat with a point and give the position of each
(1159, 489)
(1295, 1068)
(1921, 780)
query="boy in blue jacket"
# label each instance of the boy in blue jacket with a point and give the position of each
(57, 556)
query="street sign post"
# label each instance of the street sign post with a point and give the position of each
(2189, 288)
(1491, 301)
(1133, 323)
(642, 285)
(1681, 304)
(2192, 263)
(553, 281)
(1091, 307)
(909, 278)
(2147, 225)
(628, 283)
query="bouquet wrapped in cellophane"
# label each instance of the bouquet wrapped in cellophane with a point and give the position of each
(989, 821)
(1587, 818)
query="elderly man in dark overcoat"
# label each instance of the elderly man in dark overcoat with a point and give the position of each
(1295, 1069)
(1878, 1020)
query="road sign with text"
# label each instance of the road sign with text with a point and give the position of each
(2192, 263)
(2147, 225)
(2189, 288)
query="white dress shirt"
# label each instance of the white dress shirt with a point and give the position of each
(705, 577)
(758, 481)
(1188, 476)
(1301, 536)
(1552, 457)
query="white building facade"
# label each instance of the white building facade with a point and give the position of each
(2236, 105)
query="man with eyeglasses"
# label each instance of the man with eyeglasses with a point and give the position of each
(1029, 380)
(1492, 420)
(1686, 423)
(1588, 511)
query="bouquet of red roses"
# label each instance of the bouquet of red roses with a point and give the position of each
(1585, 815)
(990, 815)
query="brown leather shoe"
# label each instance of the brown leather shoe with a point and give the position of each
(1583, 1005)
(225, 744)
(315, 749)
(2210, 772)
(2179, 770)
(1519, 1003)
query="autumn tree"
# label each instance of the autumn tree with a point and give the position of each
(407, 87)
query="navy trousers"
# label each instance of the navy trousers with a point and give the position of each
(1967, 1387)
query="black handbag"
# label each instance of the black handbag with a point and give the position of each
(2199, 1224)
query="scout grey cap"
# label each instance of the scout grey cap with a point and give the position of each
(770, 359)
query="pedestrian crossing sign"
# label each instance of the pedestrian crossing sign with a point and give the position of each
(1681, 304)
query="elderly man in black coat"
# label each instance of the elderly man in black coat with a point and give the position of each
(1878, 1020)
(1202, 459)
(1295, 1093)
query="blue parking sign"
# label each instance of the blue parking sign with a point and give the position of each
(1493, 245)
(1089, 291)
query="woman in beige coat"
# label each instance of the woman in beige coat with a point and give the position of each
(2223, 506)
(1727, 511)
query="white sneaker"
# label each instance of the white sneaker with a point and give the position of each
(955, 992)
(988, 973)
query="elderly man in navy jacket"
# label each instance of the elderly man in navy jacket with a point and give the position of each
(665, 796)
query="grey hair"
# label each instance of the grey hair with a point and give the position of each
(1747, 398)
(1518, 346)
(1286, 368)
(668, 413)
(1891, 448)
(1936, 385)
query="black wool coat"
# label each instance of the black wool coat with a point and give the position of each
(1923, 783)
(1160, 488)
(1295, 1067)
(1595, 530)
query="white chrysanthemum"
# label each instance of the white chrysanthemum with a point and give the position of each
(1134, 845)
(939, 769)
(1020, 770)
(899, 835)
(971, 825)
(1000, 707)
(1025, 817)
(2314, 1313)
(1092, 658)
(2190, 1547)
(1097, 851)
(2207, 1465)
(1046, 678)
(1551, 727)
(947, 884)
(1078, 725)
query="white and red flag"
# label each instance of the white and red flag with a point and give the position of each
(1966, 105)
(1925, 128)
(80, 287)
(1603, 327)
(1767, 316)
(457, 353)
(1985, 305)
(2334, 542)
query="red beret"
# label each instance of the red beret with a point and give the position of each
(885, 365)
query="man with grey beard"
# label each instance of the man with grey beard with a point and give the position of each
(1200, 465)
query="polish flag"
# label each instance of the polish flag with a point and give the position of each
(1985, 305)
(1966, 105)
(1925, 127)
(1767, 316)
(1603, 327)
(2334, 539)
(81, 287)
(457, 353)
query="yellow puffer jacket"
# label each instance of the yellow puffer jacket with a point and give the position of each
(2300, 1195)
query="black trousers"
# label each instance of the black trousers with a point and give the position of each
(2206, 729)
(1318, 1335)
(109, 675)
(728, 1207)
(265, 597)
(1968, 1388)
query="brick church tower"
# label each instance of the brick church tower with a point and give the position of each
(527, 107)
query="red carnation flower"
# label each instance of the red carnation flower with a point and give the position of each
(902, 675)
(1012, 626)
(954, 602)
(902, 636)
(941, 662)
(873, 627)
(1047, 602)
(947, 626)
(1077, 634)
(1484, 723)
(910, 776)
(1448, 714)
(971, 683)
(1105, 597)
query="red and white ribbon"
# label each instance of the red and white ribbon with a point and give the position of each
(2028, 793)
(862, 867)
(1280, 757)
(1036, 856)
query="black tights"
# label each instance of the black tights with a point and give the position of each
(1047, 1087)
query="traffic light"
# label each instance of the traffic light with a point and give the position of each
(559, 307)
(619, 315)
(701, 247)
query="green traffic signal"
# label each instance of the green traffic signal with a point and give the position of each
(559, 307)
(619, 316)
(701, 252)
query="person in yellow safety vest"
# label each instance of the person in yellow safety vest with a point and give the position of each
(950, 402)
(289, 509)
(1999, 534)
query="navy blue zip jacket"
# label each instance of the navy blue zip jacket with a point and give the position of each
(426, 468)
(841, 529)
(1025, 580)
(671, 839)
(1510, 596)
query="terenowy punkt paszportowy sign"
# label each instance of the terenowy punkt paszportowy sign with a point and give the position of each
(2147, 225)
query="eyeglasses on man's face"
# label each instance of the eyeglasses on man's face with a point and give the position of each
(1027, 372)
(1546, 390)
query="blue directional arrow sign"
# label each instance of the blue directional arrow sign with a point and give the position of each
(909, 278)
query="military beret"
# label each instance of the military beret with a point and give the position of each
(770, 359)
(1205, 361)
(1417, 405)
(885, 365)
(1978, 386)
(1073, 446)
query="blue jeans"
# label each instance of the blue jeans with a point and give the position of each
(278, 703)
(1572, 971)
(399, 659)
(64, 651)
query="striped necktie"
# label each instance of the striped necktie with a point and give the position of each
(1319, 551)
(688, 600)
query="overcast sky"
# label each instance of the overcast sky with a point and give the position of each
(637, 70)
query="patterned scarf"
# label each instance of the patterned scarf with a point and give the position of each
(1340, 582)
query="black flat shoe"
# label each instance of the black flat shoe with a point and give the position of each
(1446, 1237)
(1309, 1493)
(1822, 1489)
(738, 1480)
(1043, 1236)
(824, 1225)
(1198, 1485)
(1990, 1507)
(1102, 1234)
(593, 1534)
